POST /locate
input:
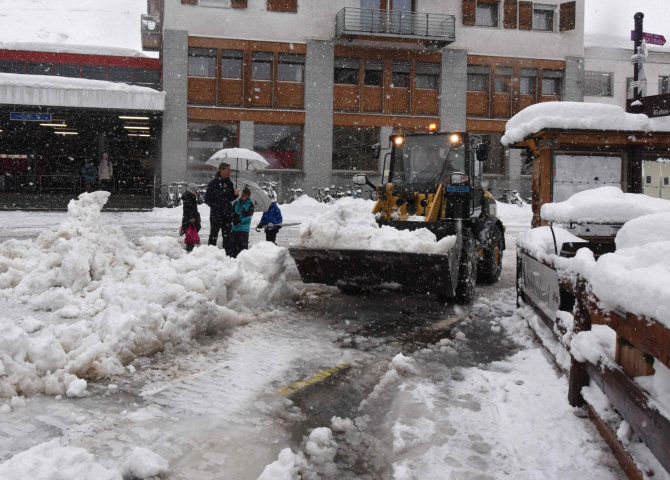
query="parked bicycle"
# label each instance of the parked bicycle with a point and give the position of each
(295, 193)
(323, 195)
(270, 188)
(511, 196)
(174, 193)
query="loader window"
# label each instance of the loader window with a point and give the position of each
(427, 159)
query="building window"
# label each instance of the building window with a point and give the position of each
(147, 77)
(261, 65)
(502, 80)
(287, 6)
(38, 68)
(67, 70)
(478, 78)
(528, 81)
(487, 13)
(495, 163)
(215, 3)
(280, 145)
(121, 74)
(663, 85)
(346, 70)
(552, 82)
(204, 139)
(352, 148)
(202, 62)
(290, 67)
(597, 84)
(543, 17)
(94, 72)
(401, 71)
(374, 72)
(11, 66)
(428, 76)
(231, 63)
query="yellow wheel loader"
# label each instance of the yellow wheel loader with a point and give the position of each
(433, 181)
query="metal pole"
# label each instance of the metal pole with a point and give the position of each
(639, 16)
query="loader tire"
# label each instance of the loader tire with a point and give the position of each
(489, 267)
(467, 271)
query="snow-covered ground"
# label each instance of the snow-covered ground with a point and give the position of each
(84, 295)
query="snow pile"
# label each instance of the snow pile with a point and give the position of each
(603, 205)
(539, 242)
(284, 468)
(101, 300)
(350, 225)
(143, 463)
(52, 461)
(578, 115)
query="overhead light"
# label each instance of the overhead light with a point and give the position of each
(59, 132)
(132, 127)
(139, 135)
(127, 117)
(53, 124)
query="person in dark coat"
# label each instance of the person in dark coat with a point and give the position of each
(191, 216)
(89, 173)
(219, 196)
(270, 220)
(244, 209)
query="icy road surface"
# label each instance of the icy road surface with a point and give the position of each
(372, 387)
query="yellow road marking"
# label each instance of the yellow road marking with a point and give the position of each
(317, 377)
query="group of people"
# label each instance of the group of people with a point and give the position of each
(230, 213)
(104, 172)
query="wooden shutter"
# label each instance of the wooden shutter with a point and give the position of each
(525, 15)
(239, 4)
(189, 2)
(509, 13)
(567, 19)
(290, 6)
(469, 12)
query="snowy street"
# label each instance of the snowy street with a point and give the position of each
(320, 384)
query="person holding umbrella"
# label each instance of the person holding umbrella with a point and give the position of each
(219, 196)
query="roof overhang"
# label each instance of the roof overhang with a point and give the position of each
(52, 91)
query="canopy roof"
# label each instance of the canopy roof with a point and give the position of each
(48, 90)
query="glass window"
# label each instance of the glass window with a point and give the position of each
(487, 14)
(231, 63)
(400, 74)
(121, 74)
(38, 68)
(94, 72)
(67, 70)
(663, 85)
(528, 81)
(202, 62)
(428, 75)
(495, 164)
(352, 148)
(552, 82)
(261, 65)
(204, 139)
(478, 82)
(280, 145)
(502, 80)
(147, 77)
(598, 84)
(374, 72)
(346, 70)
(290, 67)
(215, 3)
(543, 17)
(11, 66)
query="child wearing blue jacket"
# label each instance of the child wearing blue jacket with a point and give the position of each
(270, 220)
(243, 210)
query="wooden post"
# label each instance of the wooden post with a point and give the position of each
(579, 377)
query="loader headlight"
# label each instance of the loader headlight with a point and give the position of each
(455, 139)
(399, 140)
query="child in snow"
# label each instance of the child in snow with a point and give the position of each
(270, 220)
(243, 209)
(191, 216)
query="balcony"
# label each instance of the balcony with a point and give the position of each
(151, 33)
(394, 25)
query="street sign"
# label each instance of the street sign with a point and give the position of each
(649, 38)
(30, 117)
(654, 105)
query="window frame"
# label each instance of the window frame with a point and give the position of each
(300, 150)
(598, 84)
(543, 7)
(343, 67)
(424, 71)
(492, 6)
(198, 52)
(262, 58)
(228, 54)
(290, 59)
(361, 150)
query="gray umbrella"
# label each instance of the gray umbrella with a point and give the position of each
(258, 197)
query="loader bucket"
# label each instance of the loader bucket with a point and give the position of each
(410, 272)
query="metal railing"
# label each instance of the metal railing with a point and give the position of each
(395, 23)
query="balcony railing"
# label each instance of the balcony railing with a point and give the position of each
(395, 24)
(151, 32)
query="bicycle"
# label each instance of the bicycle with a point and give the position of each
(174, 193)
(295, 193)
(323, 195)
(511, 196)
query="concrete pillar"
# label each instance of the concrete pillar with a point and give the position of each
(175, 121)
(246, 139)
(453, 90)
(318, 132)
(574, 79)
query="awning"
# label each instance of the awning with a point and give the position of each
(53, 91)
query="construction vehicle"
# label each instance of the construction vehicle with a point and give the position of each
(433, 181)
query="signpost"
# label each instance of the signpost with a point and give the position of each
(650, 38)
(653, 105)
(30, 117)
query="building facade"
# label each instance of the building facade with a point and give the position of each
(313, 85)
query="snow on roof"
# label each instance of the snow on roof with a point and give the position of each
(578, 116)
(67, 48)
(18, 89)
